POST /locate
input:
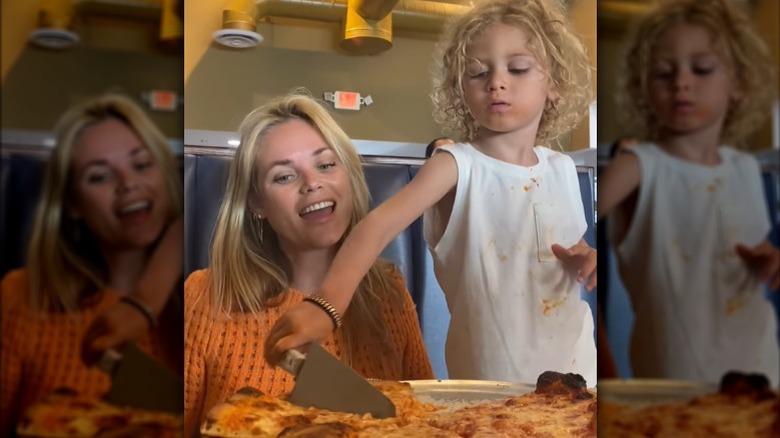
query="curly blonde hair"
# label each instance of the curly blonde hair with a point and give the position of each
(551, 40)
(733, 38)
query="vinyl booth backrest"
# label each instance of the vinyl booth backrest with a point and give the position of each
(21, 176)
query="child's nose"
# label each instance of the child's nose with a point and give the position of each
(682, 80)
(497, 81)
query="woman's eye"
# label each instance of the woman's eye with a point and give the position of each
(97, 178)
(281, 179)
(326, 166)
(143, 165)
(703, 71)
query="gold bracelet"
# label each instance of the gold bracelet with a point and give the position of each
(323, 304)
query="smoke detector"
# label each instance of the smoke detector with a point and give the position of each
(237, 38)
(53, 38)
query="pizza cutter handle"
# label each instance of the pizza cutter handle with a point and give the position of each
(109, 361)
(292, 361)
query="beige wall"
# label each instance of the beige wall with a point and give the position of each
(222, 85)
(115, 54)
(18, 19)
(226, 84)
(42, 85)
(583, 15)
(767, 17)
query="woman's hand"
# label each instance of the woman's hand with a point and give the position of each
(580, 259)
(763, 260)
(112, 329)
(298, 326)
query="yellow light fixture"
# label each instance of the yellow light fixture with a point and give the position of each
(363, 36)
(239, 24)
(54, 22)
(171, 26)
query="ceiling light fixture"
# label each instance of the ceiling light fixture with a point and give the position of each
(239, 22)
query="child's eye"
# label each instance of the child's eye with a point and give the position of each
(518, 71)
(703, 71)
(476, 70)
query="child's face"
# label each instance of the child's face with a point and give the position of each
(118, 187)
(689, 83)
(505, 86)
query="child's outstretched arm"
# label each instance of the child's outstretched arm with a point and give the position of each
(617, 182)
(124, 322)
(580, 258)
(306, 322)
(764, 260)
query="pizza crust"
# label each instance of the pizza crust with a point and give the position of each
(560, 406)
(65, 413)
(744, 406)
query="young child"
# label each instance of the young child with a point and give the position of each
(690, 222)
(503, 216)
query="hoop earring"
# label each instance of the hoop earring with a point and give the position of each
(77, 233)
(257, 217)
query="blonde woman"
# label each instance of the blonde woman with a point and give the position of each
(295, 189)
(111, 191)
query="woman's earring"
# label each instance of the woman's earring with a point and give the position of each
(77, 233)
(259, 219)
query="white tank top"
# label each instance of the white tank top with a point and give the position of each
(699, 312)
(515, 311)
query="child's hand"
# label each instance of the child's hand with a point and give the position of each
(112, 329)
(297, 327)
(581, 259)
(763, 260)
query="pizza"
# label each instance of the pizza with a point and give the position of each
(561, 406)
(64, 413)
(744, 406)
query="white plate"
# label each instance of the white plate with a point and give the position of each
(468, 390)
(650, 391)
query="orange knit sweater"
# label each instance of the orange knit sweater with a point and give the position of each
(223, 355)
(40, 353)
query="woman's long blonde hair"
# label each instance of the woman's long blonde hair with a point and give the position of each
(63, 260)
(734, 38)
(249, 271)
(551, 40)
